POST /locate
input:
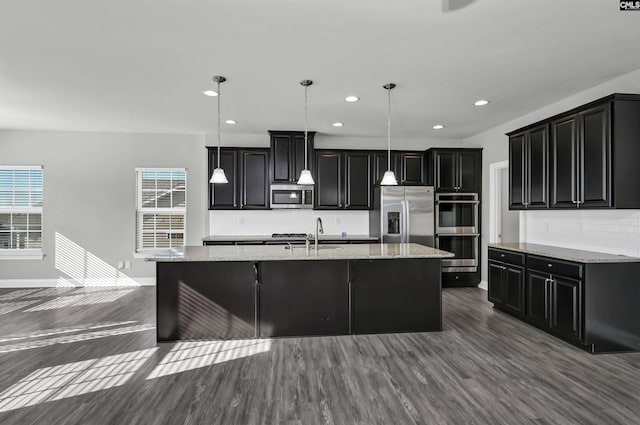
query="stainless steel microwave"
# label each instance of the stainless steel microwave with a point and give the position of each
(291, 196)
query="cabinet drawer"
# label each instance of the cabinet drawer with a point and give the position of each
(556, 267)
(509, 257)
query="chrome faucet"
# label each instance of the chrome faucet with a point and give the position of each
(319, 229)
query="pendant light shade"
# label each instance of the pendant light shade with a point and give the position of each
(389, 178)
(305, 175)
(218, 175)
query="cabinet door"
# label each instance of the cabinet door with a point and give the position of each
(223, 196)
(281, 157)
(328, 180)
(563, 162)
(380, 165)
(446, 179)
(537, 174)
(358, 179)
(538, 296)
(469, 170)
(412, 168)
(298, 155)
(495, 292)
(514, 289)
(254, 169)
(517, 167)
(595, 158)
(567, 307)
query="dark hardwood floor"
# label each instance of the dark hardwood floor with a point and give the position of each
(88, 356)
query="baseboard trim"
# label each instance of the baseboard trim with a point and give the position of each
(483, 285)
(68, 283)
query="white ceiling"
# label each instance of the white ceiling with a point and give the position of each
(141, 65)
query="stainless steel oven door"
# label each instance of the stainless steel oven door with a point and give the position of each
(457, 213)
(465, 250)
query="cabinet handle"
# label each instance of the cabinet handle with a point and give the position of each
(502, 255)
(549, 265)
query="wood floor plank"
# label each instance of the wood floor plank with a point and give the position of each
(89, 356)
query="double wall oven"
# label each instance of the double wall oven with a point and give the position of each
(458, 230)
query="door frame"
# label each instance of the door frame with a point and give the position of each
(495, 203)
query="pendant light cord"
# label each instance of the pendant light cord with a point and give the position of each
(219, 95)
(389, 129)
(305, 127)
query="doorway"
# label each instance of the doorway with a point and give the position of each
(504, 224)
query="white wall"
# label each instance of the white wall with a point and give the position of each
(89, 198)
(496, 149)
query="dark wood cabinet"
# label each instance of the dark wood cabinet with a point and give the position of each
(247, 171)
(253, 176)
(455, 170)
(287, 155)
(381, 164)
(343, 180)
(224, 196)
(591, 161)
(412, 168)
(567, 307)
(538, 296)
(528, 174)
(506, 281)
(580, 159)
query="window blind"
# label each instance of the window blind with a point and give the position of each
(21, 194)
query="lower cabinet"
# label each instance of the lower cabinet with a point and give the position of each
(506, 286)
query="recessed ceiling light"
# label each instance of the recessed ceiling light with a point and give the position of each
(338, 124)
(210, 93)
(481, 102)
(351, 99)
(231, 122)
(438, 127)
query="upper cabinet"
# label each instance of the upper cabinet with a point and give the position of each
(409, 167)
(287, 155)
(592, 158)
(455, 170)
(247, 171)
(528, 158)
(343, 179)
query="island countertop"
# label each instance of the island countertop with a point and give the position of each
(576, 255)
(270, 238)
(296, 252)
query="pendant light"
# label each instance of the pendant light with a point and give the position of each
(389, 178)
(305, 175)
(218, 173)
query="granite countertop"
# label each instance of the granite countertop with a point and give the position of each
(565, 253)
(284, 253)
(250, 238)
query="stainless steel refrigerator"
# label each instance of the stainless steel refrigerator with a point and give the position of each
(403, 214)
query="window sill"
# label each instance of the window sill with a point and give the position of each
(144, 254)
(21, 255)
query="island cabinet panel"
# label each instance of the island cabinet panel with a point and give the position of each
(300, 298)
(205, 300)
(396, 296)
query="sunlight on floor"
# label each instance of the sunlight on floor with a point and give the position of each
(68, 339)
(191, 355)
(72, 379)
(84, 267)
(82, 299)
(13, 306)
(58, 331)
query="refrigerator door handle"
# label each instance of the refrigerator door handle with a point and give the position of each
(403, 224)
(407, 221)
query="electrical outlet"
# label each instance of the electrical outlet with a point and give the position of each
(127, 264)
(241, 220)
(120, 264)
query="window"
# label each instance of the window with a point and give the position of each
(20, 210)
(161, 208)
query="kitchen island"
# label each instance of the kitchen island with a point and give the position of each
(245, 291)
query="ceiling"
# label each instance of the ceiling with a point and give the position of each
(141, 66)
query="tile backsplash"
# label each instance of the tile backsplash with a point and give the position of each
(610, 231)
(247, 222)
